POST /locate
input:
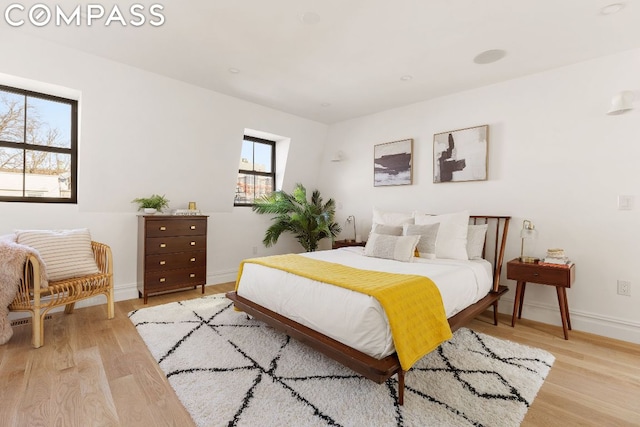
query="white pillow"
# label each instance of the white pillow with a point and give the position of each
(452, 234)
(391, 218)
(400, 248)
(390, 230)
(475, 240)
(66, 253)
(428, 234)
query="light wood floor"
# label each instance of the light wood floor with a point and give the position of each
(97, 372)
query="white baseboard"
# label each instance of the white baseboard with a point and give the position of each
(593, 323)
(130, 291)
(120, 293)
(222, 276)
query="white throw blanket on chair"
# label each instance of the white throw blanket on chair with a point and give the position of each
(12, 258)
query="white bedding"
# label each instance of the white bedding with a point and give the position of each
(352, 318)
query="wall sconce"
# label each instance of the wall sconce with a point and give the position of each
(621, 103)
(352, 219)
(528, 232)
(338, 156)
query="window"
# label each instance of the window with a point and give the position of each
(38, 147)
(257, 173)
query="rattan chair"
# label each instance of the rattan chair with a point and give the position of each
(39, 301)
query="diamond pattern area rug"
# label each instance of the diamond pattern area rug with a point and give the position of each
(228, 369)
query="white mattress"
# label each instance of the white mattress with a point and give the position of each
(352, 318)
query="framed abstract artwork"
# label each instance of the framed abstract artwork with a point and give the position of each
(393, 163)
(461, 155)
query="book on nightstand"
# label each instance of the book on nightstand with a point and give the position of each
(556, 262)
(556, 258)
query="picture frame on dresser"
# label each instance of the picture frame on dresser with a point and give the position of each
(461, 155)
(172, 253)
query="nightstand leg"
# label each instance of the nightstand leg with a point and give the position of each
(566, 307)
(521, 303)
(517, 302)
(564, 310)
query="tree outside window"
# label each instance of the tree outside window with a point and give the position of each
(256, 175)
(38, 147)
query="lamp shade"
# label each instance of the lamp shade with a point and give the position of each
(621, 103)
(529, 233)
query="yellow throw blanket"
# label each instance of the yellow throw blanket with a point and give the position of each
(412, 303)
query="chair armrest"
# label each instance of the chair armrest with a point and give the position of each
(30, 286)
(103, 256)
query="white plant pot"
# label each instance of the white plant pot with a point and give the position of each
(150, 211)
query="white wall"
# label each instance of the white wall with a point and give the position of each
(142, 133)
(554, 158)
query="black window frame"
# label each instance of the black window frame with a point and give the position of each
(253, 172)
(25, 146)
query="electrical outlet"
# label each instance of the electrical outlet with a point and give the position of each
(624, 288)
(254, 250)
(625, 203)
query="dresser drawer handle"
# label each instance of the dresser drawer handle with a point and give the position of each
(162, 279)
(193, 243)
(536, 274)
(193, 227)
(163, 245)
(163, 262)
(192, 260)
(163, 228)
(192, 275)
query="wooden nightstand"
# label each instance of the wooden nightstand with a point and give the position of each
(560, 277)
(344, 243)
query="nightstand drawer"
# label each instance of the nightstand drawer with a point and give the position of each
(555, 276)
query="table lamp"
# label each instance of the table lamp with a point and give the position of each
(352, 219)
(528, 232)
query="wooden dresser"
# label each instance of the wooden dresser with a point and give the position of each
(172, 253)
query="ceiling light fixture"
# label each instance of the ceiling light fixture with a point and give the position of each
(406, 78)
(338, 156)
(310, 18)
(621, 103)
(489, 56)
(234, 70)
(612, 8)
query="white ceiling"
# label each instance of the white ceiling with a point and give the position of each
(355, 56)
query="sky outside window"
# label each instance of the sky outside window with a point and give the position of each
(257, 155)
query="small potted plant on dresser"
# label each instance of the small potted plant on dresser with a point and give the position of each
(151, 205)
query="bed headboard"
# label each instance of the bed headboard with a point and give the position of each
(495, 242)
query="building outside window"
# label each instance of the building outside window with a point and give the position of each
(38, 147)
(256, 175)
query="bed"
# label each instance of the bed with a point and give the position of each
(357, 334)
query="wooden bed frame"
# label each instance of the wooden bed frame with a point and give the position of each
(379, 370)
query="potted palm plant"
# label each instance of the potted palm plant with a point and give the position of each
(150, 205)
(310, 221)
